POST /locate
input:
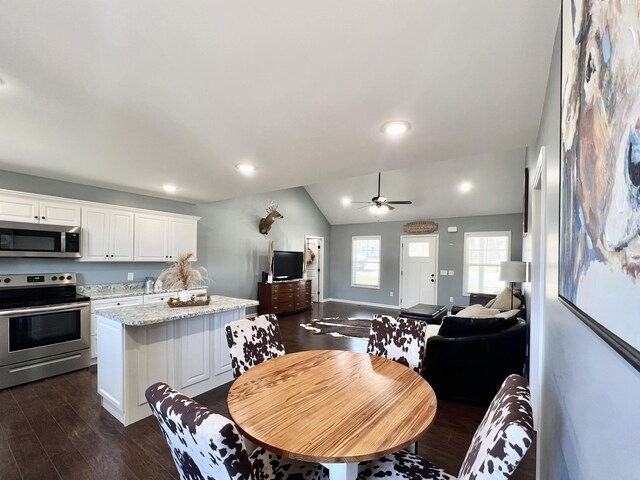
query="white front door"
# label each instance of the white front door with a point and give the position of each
(313, 259)
(419, 270)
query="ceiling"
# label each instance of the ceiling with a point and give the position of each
(133, 95)
(496, 182)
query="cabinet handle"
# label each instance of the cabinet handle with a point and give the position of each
(44, 218)
(35, 216)
(112, 256)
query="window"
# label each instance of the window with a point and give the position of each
(483, 252)
(365, 262)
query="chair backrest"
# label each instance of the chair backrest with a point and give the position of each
(251, 342)
(203, 443)
(398, 339)
(504, 435)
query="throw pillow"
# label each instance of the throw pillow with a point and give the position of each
(508, 313)
(490, 303)
(503, 301)
(477, 311)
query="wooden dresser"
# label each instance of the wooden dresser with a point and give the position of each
(284, 297)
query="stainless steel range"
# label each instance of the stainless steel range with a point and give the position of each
(44, 327)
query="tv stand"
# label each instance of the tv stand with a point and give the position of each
(284, 297)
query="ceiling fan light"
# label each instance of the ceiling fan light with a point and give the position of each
(378, 209)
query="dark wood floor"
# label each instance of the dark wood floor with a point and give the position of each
(56, 428)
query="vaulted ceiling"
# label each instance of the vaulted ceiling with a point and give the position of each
(134, 95)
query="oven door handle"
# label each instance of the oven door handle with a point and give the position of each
(47, 309)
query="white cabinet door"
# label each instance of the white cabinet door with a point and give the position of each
(59, 213)
(121, 236)
(151, 238)
(19, 208)
(182, 237)
(193, 347)
(107, 235)
(95, 234)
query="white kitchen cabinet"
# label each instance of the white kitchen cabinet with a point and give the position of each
(30, 209)
(107, 235)
(106, 304)
(151, 238)
(183, 237)
(161, 238)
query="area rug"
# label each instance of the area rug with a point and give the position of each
(340, 327)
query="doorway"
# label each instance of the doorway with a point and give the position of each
(418, 268)
(314, 263)
(538, 259)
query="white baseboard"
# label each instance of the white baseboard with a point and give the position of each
(368, 304)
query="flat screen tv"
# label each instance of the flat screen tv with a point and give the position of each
(287, 265)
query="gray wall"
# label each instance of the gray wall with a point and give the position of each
(88, 273)
(450, 256)
(236, 253)
(590, 410)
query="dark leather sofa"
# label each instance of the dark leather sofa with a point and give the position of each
(470, 358)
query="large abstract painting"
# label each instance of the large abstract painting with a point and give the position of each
(600, 169)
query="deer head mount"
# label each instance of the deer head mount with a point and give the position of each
(266, 222)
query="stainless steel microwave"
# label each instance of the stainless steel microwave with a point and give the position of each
(34, 240)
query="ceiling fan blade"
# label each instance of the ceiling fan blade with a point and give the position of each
(360, 202)
(400, 202)
(390, 207)
(364, 206)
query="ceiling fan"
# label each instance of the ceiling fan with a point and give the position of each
(380, 204)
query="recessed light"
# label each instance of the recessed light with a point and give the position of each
(346, 201)
(169, 188)
(246, 168)
(465, 187)
(396, 127)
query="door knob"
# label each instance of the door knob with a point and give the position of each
(433, 281)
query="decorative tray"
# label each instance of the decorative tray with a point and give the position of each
(174, 302)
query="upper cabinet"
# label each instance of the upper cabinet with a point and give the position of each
(107, 235)
(151, 238)
(160, 238)
(29, 209)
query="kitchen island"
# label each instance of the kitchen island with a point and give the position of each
(185, 347)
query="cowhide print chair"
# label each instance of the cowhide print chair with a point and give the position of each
(206, 445)
(251, 342)
(503, 437)
(399, 339)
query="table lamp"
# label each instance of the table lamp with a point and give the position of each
(513, 272)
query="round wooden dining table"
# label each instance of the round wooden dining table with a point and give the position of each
(332, 407)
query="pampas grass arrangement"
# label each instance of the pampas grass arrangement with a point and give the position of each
(182, 275)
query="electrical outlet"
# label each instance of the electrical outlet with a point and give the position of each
(451, 272)
(130, 276)
(391, 294)
(451, 299)
(443, 272)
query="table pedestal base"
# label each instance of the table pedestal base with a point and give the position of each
(342, 471)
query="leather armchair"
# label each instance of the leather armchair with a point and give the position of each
(472, 368)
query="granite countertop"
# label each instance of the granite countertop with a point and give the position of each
(141, 315)
(117, 290)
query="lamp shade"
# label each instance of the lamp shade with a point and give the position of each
(515, 272)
